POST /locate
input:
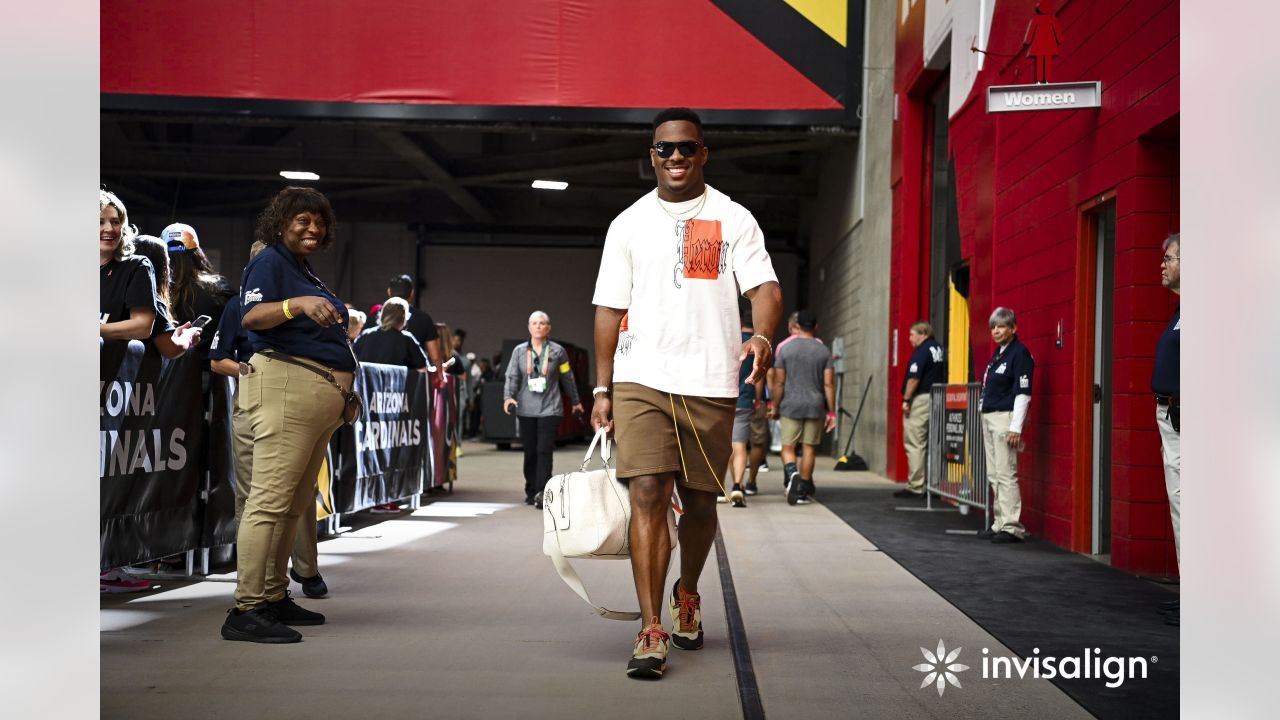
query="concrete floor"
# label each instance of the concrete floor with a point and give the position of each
(453, 612)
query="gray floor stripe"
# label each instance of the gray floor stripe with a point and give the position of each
(748, 690)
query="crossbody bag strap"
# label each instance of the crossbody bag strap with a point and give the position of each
(322, 372)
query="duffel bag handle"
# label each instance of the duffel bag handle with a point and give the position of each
(602, 439)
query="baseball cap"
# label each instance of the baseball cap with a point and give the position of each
(180, 233)
(807, 319)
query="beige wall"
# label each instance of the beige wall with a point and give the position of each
(850, 240)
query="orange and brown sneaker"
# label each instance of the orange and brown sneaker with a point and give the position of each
(686, 618)
(649, 660)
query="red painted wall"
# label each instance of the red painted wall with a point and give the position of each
(569, 53)
(1022, 180)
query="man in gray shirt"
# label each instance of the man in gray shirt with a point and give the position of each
(804, 389)
(537, 373)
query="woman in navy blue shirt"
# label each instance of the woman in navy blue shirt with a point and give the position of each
(293, 391)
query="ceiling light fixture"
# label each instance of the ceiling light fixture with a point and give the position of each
(550, 184)
(298, 175)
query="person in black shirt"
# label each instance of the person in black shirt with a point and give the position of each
(390, 343)
(924, 370)
(419, 324)
(294, 390)
(230, 347)
(1006, 395)
(1164, 383)
(196, 289)
(129, 306)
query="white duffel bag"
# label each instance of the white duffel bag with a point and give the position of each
(586, 514)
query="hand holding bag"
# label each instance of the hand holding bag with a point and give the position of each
(587, 515)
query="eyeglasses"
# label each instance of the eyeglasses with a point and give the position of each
(1168, 259)
(687, 148)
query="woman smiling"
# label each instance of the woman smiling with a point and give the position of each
(293, 390)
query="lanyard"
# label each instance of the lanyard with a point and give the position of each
(545, 357)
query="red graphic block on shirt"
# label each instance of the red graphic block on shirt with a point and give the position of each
(703, 250)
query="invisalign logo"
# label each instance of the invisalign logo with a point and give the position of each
(942, 668)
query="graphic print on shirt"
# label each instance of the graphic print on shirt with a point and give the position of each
(700, 250)
(254, 295)
(625, 337)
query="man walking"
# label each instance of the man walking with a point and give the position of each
(1164, 383)
(750, 401)
(673, 266)
(805, 392)
(924, 370)
(419, 324)
(1006, 395)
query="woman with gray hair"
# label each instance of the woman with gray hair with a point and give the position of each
(1006, 395)
(537, 373)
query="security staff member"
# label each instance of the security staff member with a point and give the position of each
(229, 348)
(1164, 383)
(537, 374)
(294, 391)
(925, 369)
(1006, 395)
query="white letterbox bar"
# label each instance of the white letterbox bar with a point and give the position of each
(1044, 96)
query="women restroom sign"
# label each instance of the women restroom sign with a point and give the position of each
(1044, 96)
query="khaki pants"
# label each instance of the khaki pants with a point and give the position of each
(1002, 472)
(1170, 449)
(915, 438)
(304, 543)
(291, 413)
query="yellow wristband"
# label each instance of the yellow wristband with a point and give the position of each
(285, 306)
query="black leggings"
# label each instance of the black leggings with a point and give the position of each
(538, 435)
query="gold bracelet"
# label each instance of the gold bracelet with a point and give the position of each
(285, 306)
(766, 342)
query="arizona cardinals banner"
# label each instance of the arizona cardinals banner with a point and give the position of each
(150, 440)
(218, 519)
(381, 456)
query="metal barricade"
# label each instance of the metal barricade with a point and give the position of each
(956, 463)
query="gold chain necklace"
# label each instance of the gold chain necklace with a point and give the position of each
(696, 209)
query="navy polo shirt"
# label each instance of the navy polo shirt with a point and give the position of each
(272, 277)
(1164, 378)
(1009, 374)
(927, 366)
(230, 341)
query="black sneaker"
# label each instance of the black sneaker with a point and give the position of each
(649, 658)
(537, 501)
(751, 488)
(737, 497)
(257, 625)
(904, 493)
(288, 612)
(312, 587)
(794, 489)
(1004, 538)
(986, 534)
(809, 489)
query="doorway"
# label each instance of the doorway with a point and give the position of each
(1102, 222)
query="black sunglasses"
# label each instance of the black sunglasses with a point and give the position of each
(687, 148)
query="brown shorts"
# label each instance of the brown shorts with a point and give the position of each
(648, 443)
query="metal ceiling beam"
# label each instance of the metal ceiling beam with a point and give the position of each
(411, 152)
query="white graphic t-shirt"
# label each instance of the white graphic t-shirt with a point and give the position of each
(679, 281)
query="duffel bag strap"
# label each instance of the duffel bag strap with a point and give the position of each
(571, 578)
